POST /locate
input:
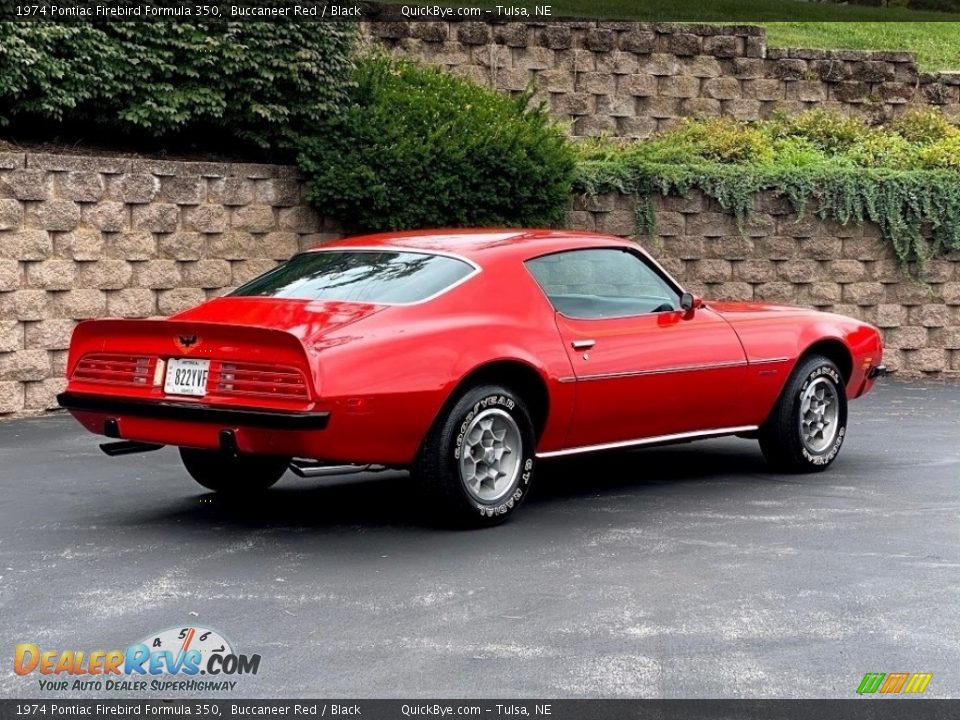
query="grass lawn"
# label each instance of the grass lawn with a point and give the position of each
(732, 11)
(934, 37)
(937, 45)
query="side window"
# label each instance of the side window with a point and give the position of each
(602, 283)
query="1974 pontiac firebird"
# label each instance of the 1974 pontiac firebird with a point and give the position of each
(465, 356)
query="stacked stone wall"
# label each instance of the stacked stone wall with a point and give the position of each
(846, 269)
(93, 237)
(627, 79)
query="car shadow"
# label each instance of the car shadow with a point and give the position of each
(388, 499)
(639, 470)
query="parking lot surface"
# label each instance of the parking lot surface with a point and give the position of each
(688, 571)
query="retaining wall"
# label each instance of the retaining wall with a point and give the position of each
(628, 79)
(846, 269)
(88, 237)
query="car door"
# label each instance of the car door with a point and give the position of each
(643, 367)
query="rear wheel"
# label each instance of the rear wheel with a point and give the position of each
(808, 424)
(233, 474)
(476, 465)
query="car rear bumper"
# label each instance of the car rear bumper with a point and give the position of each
(337, 432)
(193, 412)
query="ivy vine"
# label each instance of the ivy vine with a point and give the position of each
(917, 211)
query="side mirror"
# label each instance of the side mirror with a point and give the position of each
(688, 302)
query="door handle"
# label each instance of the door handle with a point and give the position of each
(583, 344)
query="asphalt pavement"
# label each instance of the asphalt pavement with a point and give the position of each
(688, 571)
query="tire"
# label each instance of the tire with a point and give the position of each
(793, 438)
(233, 474)
(455, 468)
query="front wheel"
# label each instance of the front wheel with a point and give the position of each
(476, 466)
(233, 474)
(808, 424)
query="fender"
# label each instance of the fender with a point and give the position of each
(773, 346)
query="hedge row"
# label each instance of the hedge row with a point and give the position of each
(253, 82)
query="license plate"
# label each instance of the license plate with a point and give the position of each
(186, 376)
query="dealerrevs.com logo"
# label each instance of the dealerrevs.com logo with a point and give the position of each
(169, 661)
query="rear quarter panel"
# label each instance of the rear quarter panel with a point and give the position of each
(385, 380)
(775, 338)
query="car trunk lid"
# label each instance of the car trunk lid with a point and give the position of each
(307, 320)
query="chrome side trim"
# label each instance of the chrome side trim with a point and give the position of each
(664, 371)
(657, 440)
(678, 369)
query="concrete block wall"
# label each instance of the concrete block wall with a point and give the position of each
(627, 79)
(92, 237)
(847, 269)
(89, 237)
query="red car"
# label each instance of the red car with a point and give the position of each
(465, 356)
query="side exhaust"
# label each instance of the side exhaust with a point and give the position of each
(127, 447)
(314, 469)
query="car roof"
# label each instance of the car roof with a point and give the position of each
(479, 244)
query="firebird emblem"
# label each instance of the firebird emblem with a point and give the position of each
(185, 343)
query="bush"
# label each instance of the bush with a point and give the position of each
(827, 131)
(942, 154)
(251, 81)
(418, 147)
(924, 125)
(796, 152)
(723, 140)
(938, 5)
(921, 138)
(886, 150)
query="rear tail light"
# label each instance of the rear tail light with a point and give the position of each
(130, 370)
(254, 380)
(226, 378)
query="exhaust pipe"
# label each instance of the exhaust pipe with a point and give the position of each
(314, 469)
(128, 447)
(878, 371)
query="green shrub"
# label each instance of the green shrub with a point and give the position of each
(880, 149)
(938, 5)
(827, 131)
(796, 152)
(924, 125)
(720, 140)
(251, 81)
(942, 154)
(418, 147)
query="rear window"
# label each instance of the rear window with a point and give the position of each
(393, 277)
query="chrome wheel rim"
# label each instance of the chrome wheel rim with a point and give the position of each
(819, 411)
(490, 455)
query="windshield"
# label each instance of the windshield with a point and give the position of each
(370, 276)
